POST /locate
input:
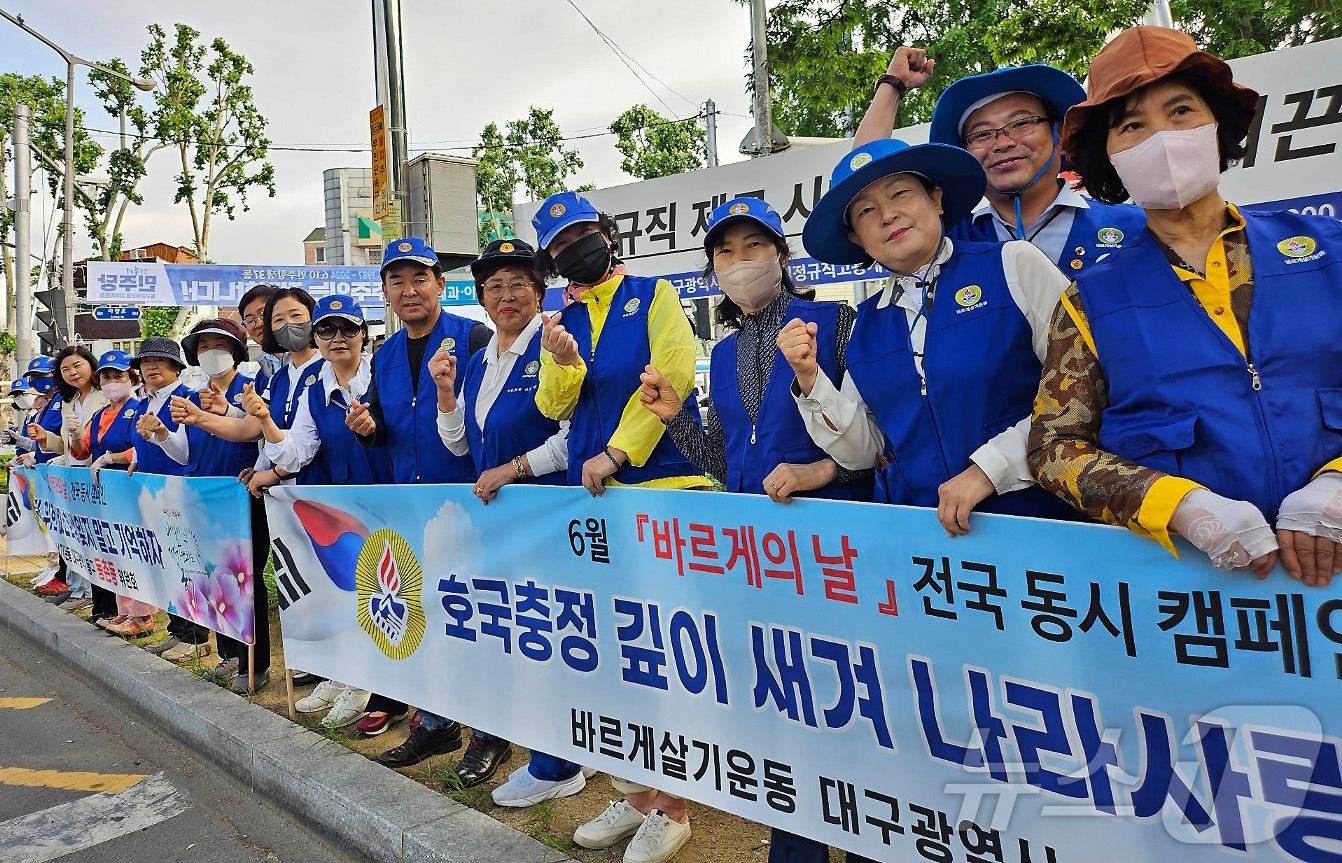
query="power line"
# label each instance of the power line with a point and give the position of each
(356, 148)
(619, 55)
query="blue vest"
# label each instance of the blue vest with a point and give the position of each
(778, 435)
(120, 435)
(149, 455)
(51, 421)
(1097, 230)
(285, 398)
(417, 452)
(514, 425)
(1183, 399)
(341, 459)
(982, 374)
(613, 371)
(214, 456)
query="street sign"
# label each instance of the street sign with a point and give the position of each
(116, 313)
(377, 128)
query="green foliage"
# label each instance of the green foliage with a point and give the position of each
(655, 146)
(824, 55)
(127, 164)
(528, 153)
(8, 344)
(204, 109)
(157, 321)
(1236, 28)
(46, 99)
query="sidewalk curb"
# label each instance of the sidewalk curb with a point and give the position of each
(370, 809)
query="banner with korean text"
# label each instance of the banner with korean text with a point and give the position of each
(1036, 691)
(183, 544)
(24, 534)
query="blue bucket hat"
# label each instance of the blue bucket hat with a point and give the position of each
(559, 211)
(43, 366)
(414, 249)
(20, 385)
(1054, 87)
(118, 360)
(959, 175)
(743, 207)
(337, 307)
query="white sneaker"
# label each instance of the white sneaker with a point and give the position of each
(349, 707)
(618, 821)
(320, 698)
(523, 790)
(589, 772)
(657, 840)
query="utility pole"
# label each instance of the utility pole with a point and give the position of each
(759, 55)
(390, 72)
(23, 286)
(711, 139)
(1159, 15)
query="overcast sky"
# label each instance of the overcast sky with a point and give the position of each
(466, 64)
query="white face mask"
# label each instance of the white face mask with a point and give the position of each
(24, 401)
(215, 363)
(1171, 169)
(752, 285)
(116, 391)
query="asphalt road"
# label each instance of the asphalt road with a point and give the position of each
(82, 779)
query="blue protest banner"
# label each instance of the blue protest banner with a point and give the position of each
(1045, 691)
(153, 283)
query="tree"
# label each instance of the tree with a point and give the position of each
(204, 109)
(158, 321)
(1236, 28)
(825, 54)
(126, 165)
(530, 155)
(655, 146)
(46, 99)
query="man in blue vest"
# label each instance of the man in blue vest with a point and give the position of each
(401, 414)
(1009, 120)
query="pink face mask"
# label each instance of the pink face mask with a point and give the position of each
(1170, 169)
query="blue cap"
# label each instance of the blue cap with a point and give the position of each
(336, 306)
(743, 207)
(1054, 87)
(41, 365)
(559, 211)
(118, 360)
(19, 385)
(959, 175)
(414, 249)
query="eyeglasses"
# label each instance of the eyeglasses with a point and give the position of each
(252, 320)
(497, 289)
(326, 330)
(1013, 130)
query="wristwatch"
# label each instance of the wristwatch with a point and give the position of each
(901, 89)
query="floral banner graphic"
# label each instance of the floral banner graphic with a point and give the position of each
(180, 543)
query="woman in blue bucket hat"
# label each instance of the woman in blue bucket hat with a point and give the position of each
(944, 361)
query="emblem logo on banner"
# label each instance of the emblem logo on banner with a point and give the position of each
(389, 579)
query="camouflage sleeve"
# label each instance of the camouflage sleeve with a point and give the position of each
(1064, 452)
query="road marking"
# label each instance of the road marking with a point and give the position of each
(68, 780)
(79, 824)
(22, 703)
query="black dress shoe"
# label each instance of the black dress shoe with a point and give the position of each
(423, 744)
(58, 598)
(482, 760)
(304, 678)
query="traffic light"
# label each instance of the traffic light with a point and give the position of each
(50, 312)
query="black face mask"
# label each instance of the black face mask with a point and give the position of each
(586, 261)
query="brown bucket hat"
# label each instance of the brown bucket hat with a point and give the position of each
(1143, 55)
